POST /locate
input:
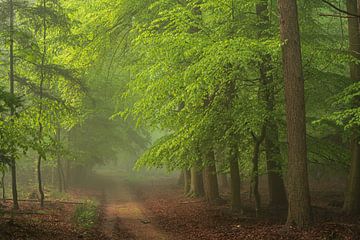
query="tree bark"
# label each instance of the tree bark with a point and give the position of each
(12, 92)
(3, 185)
(255, 171)
(352, 196)
(41, 88)
(210, 179)
(187, 181)
(277, 192)
(299, 213)
(223, 181)
(197, 186)
(235, 179)
(181, 179)
(60, 171)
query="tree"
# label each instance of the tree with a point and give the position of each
(277, 193)
(299, 212)
(352, 196)
(12, 91)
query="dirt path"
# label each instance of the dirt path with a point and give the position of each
(124, 215)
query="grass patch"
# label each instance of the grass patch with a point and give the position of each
(86, 215)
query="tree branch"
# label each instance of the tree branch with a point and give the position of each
(339, 9)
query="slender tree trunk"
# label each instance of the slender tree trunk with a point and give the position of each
(299, 213)
(41, 87)
(235, 179)
(352, 196)
(40, 184)
(197, 186)
(255, 170)
(277, 192)
(210, 179)
(187, 181)
(12, 92)
(60, 172)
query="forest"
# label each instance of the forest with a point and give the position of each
(179, 119)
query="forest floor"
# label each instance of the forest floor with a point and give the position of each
(149, 209)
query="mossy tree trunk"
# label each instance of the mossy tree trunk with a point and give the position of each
(352, 196)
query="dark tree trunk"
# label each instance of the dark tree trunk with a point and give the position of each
(40, 184)
(235, 179)
(210, 179)
(255, 170)
(41, 88)
(352, 196)
(299, 213)
(197, 186)
(187, 181)
(277, 192)
(12, 92)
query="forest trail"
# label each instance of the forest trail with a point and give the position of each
(124, 217)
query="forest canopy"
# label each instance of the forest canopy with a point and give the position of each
(239, 87)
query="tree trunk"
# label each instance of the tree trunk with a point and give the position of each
(223, 181)
(255, 171)
(210, 179)
(197, 186)
(277, 192)
(3, 185)
(352, 196)
(187, 181)
(60, 176)
(12, 92)
(60, 172)
(41, 88)
(299, 213)
(235, 179)
(181, 179)
(40, 184)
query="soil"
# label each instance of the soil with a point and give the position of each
(157, 210)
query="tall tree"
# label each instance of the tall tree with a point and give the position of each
(352, 196)
(299, 212)
(277, 193)
(12, 92)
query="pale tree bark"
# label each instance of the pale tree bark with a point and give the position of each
(352, 196)
(299, 210)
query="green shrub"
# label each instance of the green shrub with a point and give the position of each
(86, 215)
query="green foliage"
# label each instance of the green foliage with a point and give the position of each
(86, 215)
